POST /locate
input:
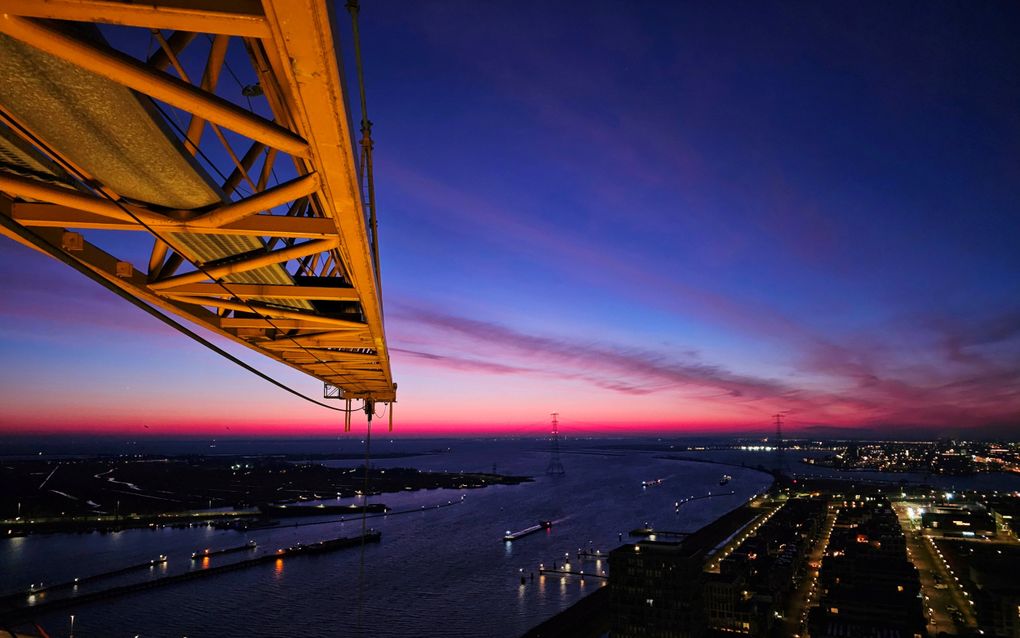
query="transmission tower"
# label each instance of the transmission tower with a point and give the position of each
(555, 467)
(779, 461)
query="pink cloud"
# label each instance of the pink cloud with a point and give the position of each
(629, 370)
(838, 385)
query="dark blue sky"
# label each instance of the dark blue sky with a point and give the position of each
(698, 214)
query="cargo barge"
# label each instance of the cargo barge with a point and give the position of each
(208, 553)
(321, 547)
(512, 536)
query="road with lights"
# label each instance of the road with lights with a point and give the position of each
(939, 585)
(807, 592)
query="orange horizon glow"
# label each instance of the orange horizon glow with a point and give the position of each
(214, 431)
(595, 241)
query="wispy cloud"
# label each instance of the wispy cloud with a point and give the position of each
(463, 363)
(614, 367)
(836, 384)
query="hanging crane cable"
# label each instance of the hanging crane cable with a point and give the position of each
(369, 411)
(367, 176)
(367, 183)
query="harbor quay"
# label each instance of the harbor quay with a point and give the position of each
(820, 558)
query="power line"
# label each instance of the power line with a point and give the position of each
(555, 467)
(779, 441)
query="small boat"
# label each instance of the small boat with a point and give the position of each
(725, 479)
(652, 482)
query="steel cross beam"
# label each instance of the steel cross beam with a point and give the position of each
(302, 51)
(274, 254)
(55, 215)
(230, 17)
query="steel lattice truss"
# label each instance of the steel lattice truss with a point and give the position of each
(217, 135)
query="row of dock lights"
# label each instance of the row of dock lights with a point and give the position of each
(566, 570)
(41, 588)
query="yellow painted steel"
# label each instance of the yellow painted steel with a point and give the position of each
(135, 75)
(300, 287)
(230, 17)
(216, 272)
(55, 215)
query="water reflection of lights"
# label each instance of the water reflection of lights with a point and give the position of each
(15, 542)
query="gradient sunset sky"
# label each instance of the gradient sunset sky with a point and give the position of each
(648, 216)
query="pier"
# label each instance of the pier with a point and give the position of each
(13, 599)
(16, 613)
(564, 569)
(684, 501)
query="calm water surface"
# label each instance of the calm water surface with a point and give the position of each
(437, 572)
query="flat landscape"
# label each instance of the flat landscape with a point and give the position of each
(110, 488)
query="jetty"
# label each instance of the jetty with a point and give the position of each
(568, 572)
(41, 591)
(698, 498)
(29, 605)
